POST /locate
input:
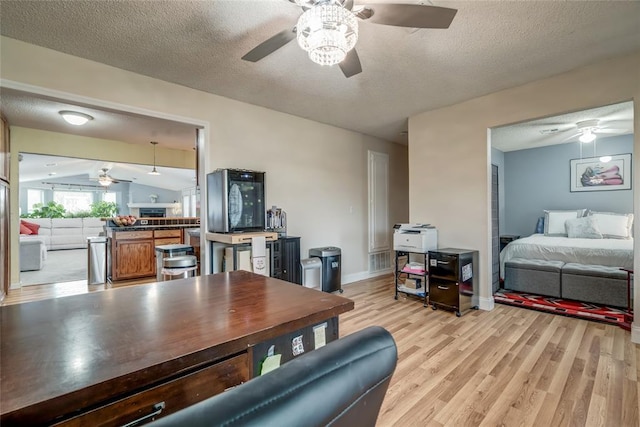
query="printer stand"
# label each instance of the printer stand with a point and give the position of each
(412, 279)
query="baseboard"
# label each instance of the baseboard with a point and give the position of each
(15, 285)
(363, 275)
(635, 333)
(486, 304)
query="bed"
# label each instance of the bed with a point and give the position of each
(580, 255)
(607, 252)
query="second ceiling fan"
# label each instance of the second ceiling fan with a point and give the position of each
(106, 180)
(328, 29)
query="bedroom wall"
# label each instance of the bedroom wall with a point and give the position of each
(538, 179)
(316, 172)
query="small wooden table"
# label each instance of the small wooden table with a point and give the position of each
(112, 357)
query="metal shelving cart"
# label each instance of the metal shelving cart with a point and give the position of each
(412, 271)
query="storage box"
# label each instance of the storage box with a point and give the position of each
(413, 283)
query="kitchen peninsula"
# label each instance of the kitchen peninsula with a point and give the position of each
(131, 249)
(116, 356)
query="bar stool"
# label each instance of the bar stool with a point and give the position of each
(179, 267)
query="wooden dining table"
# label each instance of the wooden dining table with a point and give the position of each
(136, 353)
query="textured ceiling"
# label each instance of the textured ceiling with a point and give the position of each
(613, 120)
(491, 45)
(25, 110)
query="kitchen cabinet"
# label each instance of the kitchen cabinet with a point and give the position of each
(453, 279)
(132, 255)
(167, 237)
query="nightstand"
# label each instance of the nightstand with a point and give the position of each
(506, 239)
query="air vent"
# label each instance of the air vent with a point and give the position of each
(549, 131)
(379, 261)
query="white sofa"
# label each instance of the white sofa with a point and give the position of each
(65, 233)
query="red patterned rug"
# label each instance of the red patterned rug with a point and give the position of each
(561, 306)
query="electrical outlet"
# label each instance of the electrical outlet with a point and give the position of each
(144, 222)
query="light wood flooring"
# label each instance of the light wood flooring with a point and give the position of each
(508, 367)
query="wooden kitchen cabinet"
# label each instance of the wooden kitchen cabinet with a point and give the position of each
(167, 237)
(132, 255)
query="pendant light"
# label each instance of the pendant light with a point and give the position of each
(154, 171)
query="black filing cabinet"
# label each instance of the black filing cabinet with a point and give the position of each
(453, 279)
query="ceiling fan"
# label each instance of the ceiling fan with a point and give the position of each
(589, 129)
(328, 29)
(106, 180)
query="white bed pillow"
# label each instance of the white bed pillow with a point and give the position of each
(554, 221)
(583, 228)
(613, 225)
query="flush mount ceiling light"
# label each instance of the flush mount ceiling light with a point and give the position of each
(327, 31)
(154, 171)
(75, 118)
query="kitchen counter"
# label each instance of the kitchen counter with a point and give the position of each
(116, 228)
(155, 223)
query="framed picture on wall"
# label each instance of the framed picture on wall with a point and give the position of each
(601, 173)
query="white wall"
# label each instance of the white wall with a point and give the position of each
(316, 172)
(449, 156)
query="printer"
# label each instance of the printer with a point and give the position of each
(420, 238)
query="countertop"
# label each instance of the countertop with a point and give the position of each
(148, 227)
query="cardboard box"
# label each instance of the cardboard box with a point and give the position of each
(413, 283)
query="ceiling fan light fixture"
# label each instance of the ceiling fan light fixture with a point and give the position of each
(154, 171)
(75, 118)
(104, 180)
(587, 136)
(327, 32)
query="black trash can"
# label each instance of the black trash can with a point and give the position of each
(330, 256)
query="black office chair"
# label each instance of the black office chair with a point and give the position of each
(340, 384)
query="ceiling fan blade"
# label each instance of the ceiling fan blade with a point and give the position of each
(350, 65)
(408, 15)
(348, 4)
(612, 131)
(269, 46)
(569, 138)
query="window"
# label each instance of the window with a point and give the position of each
(33, 197)
(74, 201)
(109, 196)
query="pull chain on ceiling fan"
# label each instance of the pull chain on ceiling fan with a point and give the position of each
(328, 29)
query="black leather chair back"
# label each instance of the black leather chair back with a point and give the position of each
(340, 384)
